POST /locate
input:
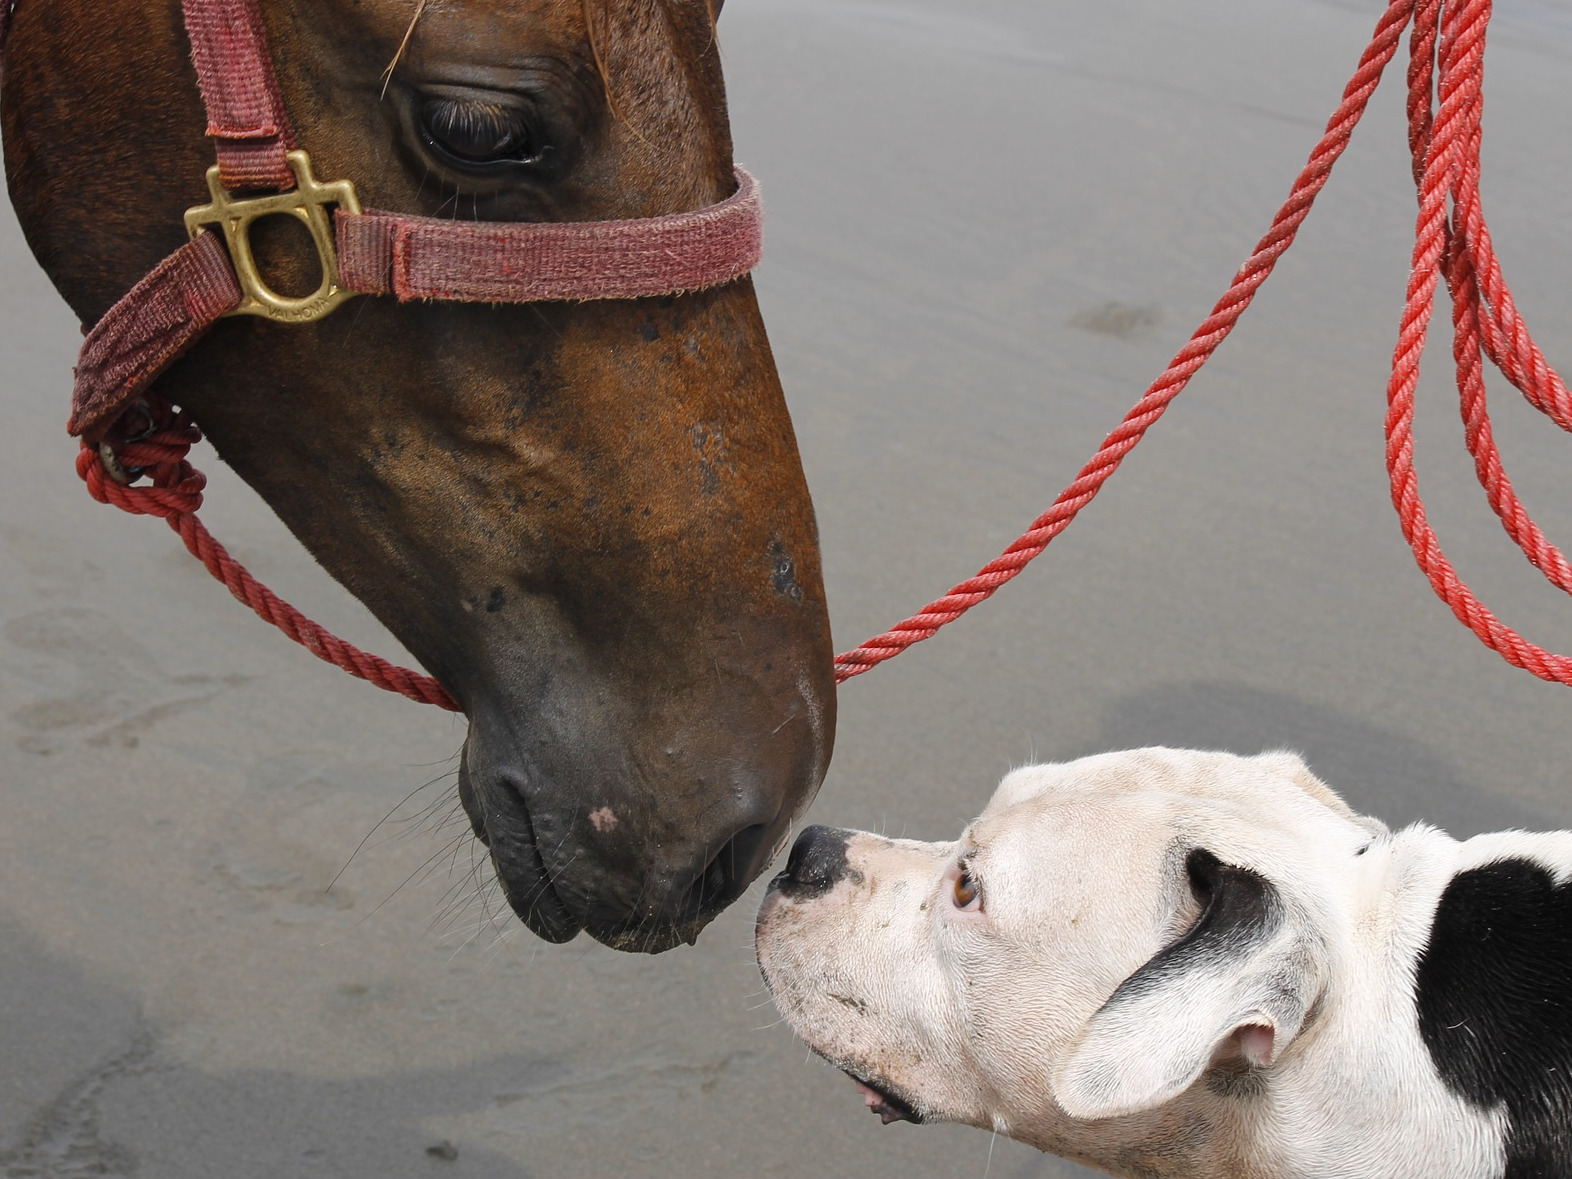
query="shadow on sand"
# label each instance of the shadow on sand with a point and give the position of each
(88, 1092)
(1381, 773)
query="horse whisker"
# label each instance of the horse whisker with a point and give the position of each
(387, 74)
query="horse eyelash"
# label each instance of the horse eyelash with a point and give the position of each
(475, 119)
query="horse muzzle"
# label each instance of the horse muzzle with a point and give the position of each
(641, 850)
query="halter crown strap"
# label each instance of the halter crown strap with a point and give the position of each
(245, 111)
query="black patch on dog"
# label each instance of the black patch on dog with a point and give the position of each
(1240, 909)
(816, 864)
(1494, 994)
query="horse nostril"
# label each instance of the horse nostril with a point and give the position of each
(724, 878)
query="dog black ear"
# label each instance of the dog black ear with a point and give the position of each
(1242, 979)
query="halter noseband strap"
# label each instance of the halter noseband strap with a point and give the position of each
(533, 261)
(364, 252)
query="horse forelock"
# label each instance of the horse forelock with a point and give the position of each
(605, 18)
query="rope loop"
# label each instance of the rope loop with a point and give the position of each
(150, 440)
(1452, 243)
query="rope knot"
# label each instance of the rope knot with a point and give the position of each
(149, 440)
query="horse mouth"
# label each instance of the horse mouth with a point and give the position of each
(543, 910)
(508, 831)
(532, 888)
(723, 879)
(561, 885)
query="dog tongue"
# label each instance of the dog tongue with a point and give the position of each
(888, 1110)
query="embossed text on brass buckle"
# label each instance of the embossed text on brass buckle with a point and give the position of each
(308, 201)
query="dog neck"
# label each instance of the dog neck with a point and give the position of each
(1360, 1092)
(1357, 1093)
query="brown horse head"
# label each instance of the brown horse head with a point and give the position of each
(588, 520)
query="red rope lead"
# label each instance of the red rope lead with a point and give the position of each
(1169, 385)
(1445, 146)
(175, 494)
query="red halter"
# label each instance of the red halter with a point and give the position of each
(368, 252)
(127, 437)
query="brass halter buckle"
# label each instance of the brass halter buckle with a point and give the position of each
(308, 201)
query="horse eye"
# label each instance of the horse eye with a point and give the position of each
(474, 132)
(966, 895)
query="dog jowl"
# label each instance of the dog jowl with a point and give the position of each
(1174, 963)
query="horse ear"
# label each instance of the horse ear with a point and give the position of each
(1238, 984)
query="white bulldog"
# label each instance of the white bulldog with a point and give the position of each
(1173, 963)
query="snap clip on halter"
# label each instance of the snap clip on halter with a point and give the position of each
(308, 201)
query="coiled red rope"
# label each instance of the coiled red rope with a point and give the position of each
(1446, 63)
(1452, 242)
(1458, 248)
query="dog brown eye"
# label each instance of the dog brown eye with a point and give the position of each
(966, 894)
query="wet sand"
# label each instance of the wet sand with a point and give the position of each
(990, 225)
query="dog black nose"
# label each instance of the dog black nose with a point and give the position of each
(817, 861)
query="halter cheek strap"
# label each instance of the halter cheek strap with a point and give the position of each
(245, 111)
(364, 252)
